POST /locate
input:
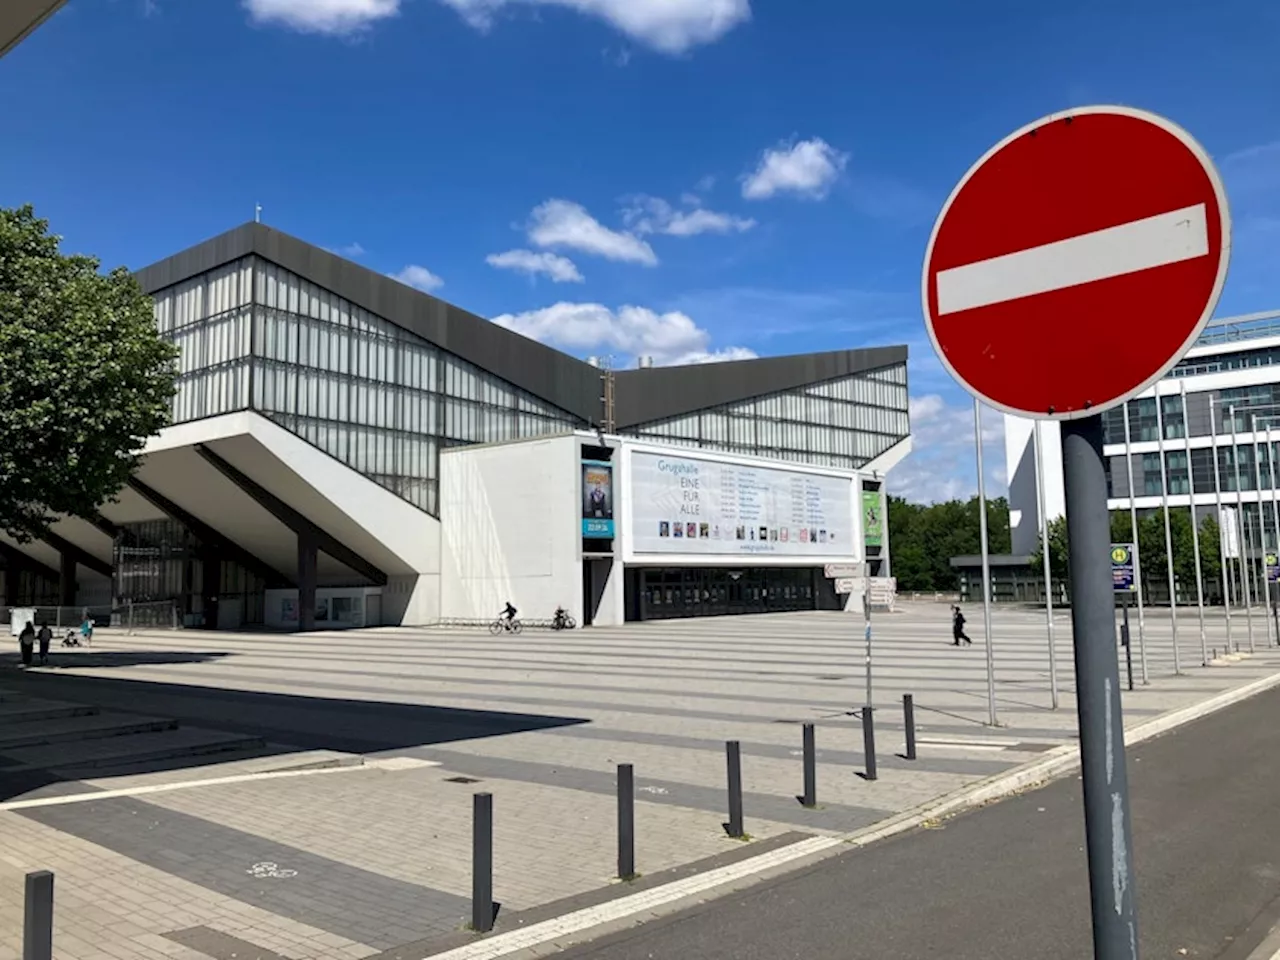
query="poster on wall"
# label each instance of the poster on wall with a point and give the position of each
(872, 521)
(688, 505)
(289, 610)
(597, 499)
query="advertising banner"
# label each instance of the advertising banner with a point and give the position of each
(872, 522)
(1273, 568)
(688, 505)
(597, 500)
(1122, 579)
(1230, 533)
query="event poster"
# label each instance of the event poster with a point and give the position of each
(690, 505)
(872, 521)
(597, 500)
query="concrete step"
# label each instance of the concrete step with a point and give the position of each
(29, 709)
(138, 748)
(62, 730)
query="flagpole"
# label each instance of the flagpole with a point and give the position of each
(1222, 540)
(1168, 533)
(1137, 558)
(1275, 508)
(986, 565)
(1044, 550)
(1242, 531)
(1195, 527)
(1262, 524)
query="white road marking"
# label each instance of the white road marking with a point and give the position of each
(580, 920)
(1129, 248)
(142, 791)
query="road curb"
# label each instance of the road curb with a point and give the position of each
(629, 910)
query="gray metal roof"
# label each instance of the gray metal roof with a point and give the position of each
(640, 396)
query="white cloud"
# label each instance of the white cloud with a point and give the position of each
(669, 26)
(560, 223)
(942, 465)
(351, 250)
(559, 269)
(331, 17)
(806, 168)
(420, 277)
(655, 215)
(670, 338)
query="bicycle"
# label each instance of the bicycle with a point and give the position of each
(502, 625)
(564, 621)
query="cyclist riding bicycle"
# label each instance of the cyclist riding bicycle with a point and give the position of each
(509, 613)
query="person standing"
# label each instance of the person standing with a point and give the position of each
(45, 637)
(26, 643)
(957, 627)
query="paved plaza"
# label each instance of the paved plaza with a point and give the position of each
(348, 834)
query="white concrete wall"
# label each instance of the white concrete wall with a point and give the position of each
(511, 529)
(1020, 464)
(364, 612)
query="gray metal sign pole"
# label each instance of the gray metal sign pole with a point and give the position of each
(1195, 531)
(1044, 552)
(1137, 553)
(1168, 533)
(1222, 530)
(1108, 824)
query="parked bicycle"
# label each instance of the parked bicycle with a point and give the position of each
(563, 620)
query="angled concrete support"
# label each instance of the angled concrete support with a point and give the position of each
(78, 554)
(314, 535)
(16, 560)
(210, 537)
(103, 524)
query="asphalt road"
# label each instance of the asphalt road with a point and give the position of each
(1011, 881)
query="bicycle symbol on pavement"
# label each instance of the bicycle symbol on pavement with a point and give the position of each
(270, 871)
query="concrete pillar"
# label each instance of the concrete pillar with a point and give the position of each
(66, 580)
(306, 583)
(212, 588)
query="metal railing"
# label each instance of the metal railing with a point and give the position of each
(128, 616)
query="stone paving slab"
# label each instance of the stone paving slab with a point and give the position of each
(541, 722)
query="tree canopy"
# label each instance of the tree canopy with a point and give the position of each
(923, 539)
(86, 378)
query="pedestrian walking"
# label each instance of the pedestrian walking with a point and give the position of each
(45, 637)
(27, 643)
(957, 627)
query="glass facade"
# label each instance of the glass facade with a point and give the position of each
(369, 393)
(162, 560)
(839, 423)
(1236, 470)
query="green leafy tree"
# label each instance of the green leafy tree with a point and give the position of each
(85, 378)
(1059, 565)
(924, 537)
(1210, 561)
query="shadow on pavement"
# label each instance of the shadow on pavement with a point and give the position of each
(252, 724)
(68, 660)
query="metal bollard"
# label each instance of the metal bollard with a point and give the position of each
(37, 930)
(626, 821)
(1127, 643)
(869, 741)
(810, 798)
(909, 722)
(733, 753)
(482, 863)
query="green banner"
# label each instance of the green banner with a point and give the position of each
(872, 521)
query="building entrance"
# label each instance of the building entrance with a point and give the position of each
(668, 593)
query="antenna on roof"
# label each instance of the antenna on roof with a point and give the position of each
(257, 213)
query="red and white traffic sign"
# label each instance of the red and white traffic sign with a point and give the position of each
(1077, 262)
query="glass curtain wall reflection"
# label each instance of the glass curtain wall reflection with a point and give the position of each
(839, 423)
(369, 393)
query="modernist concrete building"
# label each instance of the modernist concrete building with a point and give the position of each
(1213, 439)
(347, 450)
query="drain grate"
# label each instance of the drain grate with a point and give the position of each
(461, 780)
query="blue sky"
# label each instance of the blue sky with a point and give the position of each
(686, 179)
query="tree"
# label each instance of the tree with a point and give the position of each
(923, 539)
(85, 380)
(1058, 551)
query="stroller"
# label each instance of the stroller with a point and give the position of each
(72, 639)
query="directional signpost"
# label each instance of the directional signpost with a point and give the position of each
(1070, 269)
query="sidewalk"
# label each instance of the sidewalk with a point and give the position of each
(368, 859)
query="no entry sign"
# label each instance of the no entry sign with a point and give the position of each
(1076, 262)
